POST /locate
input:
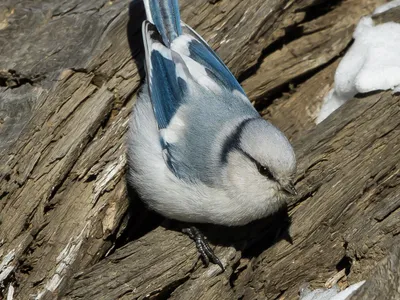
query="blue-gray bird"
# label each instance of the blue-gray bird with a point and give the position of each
(198, 150)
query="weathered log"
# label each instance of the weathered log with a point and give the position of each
(296, 112)
(306, 47)
(384, 281)
(346, 217)
(68, 80)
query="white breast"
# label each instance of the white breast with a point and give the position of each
(172, 197)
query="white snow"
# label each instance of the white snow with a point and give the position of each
(319, 294)
(343, 295)
(330, 294)
(372, 63)
(386, 7)
(331, 102)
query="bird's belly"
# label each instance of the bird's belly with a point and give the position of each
(201, 204)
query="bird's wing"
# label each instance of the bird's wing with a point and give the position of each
(181, 38)
(178, 76)
(192, 45)
(167, 84)
(165, 87)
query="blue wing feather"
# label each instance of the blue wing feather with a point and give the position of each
(165, 88)
(177, 70)
(203, 54)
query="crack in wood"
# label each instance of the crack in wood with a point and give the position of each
(13, 79)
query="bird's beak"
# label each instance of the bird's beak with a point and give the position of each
(289, 188)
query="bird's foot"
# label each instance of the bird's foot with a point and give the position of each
(206, 253)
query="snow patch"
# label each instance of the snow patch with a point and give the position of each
(331, 102)
(387, 6)
(333, 293)
(318, 294)
(343, 295)
(372, 63)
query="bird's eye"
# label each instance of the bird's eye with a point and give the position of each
(265, 171)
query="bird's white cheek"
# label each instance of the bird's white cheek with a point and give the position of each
(238, 171)
(240, 178)
(251, 195)
(245, 180)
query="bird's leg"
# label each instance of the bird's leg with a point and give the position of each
(206, 253)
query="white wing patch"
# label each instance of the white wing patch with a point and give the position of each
(197, 71)
(199, 74)
(180, 71)
(164, 51)
(184, 65)
(175, 129)
(181, 44)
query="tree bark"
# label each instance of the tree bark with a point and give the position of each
(346, 217)
(69, 75)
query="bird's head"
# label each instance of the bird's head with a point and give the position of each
(260, 164)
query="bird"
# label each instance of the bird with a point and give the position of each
(198, 151)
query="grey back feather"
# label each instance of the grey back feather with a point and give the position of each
(197, 153)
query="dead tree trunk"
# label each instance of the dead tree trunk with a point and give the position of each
(345, 218)
(69, 73)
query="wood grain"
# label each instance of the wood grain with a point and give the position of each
(346, 216)
(69, 75)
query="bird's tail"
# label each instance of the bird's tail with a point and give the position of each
(164, 14)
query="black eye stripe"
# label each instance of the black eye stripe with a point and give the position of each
(265, 171)
(232, 141)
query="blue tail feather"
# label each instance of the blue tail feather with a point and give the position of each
(165, 15)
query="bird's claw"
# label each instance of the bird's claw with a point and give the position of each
(206, 253)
